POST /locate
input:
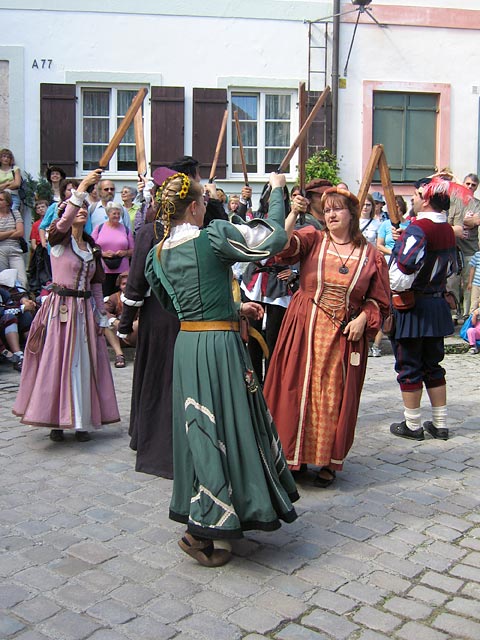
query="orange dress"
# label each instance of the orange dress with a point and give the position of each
(315, 376)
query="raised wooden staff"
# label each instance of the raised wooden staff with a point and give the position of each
(304, 130)
(378, 159)
(242, 154)
(122, 128)
(221, 135)
(140, 144)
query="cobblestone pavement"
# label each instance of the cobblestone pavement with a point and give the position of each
(392, 550)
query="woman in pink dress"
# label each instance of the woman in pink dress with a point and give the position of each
(116, 243)
(66, 378)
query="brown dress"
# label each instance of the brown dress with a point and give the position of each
(315, 376)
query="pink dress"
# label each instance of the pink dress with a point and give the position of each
(66, 378)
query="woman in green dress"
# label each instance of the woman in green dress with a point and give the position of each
(230, 474)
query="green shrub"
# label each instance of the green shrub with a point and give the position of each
(323, 164)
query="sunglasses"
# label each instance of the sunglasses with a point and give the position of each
(109, 188)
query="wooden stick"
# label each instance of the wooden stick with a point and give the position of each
(221, 135)
(140, 144)
(303, 131)
(378, 159)
(122, 129)
(240, 147)
(369, 171)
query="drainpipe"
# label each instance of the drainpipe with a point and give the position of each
(335, 74)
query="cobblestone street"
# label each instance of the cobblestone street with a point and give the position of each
(391, 550)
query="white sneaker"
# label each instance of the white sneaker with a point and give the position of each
(376, 351)
(370, 352)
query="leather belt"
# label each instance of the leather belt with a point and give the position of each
(209, 325)
(437, 294)
(70, 293)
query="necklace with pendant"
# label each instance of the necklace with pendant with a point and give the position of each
(343, 269)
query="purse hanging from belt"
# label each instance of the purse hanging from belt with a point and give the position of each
(403, 300)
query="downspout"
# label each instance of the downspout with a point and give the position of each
(335, 74)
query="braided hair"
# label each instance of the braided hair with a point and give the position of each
(174, 196)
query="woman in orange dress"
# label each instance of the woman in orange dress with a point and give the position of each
(317, 370)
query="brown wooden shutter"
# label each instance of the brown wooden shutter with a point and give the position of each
(57, 127)
(168, 124)
(208, 109)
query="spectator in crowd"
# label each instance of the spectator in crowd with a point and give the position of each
(11, 231)
(54, 176)
(41, 207)
(473, 285)
(51, 214)
(368, 222)
(314, 191)
(10, 177)
(465, 219)
(114, 308)
(379, 200)
(473, 332)
(97, 213)
(17, 310)
(66, 377)
(233, 204)
(116, 243)
(128, 196)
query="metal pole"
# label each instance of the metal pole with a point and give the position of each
(335, 73)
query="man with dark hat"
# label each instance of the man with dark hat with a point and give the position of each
(314, 191)
(422, 259)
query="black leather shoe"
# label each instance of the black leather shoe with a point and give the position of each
(439, 434)
(401, 430)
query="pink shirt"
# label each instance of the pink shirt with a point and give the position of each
(117, 238)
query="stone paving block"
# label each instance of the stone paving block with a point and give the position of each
(291, 585)
(100, 580)
(443, 533)
(205, 626)
(111, 612)
(94, 531)
(368, 634)
(447, 550)
(294, 632)
(470, 543)
(399, 565)
(60, 539)
(337, 626)
(464, 607)
(279, 560)
(375, 619)
(107, 634)
(39, 578)
(239, 588)
(466, 572)
(343, 565)
(408, 608)
(76, 596)
(286, 606)
(472, 559)
(353, 531)
(36, 609)
(212, 601)
(390, 545)
(433, 597)
(127, 567)
(92, 553)
(417, 631)
(133, 594)
(363, 592)
(331, 601)
(430, 560)
(379, 525)
(168, 610)
(9, 626)
(11, 594)
(69, 567)
(31, 635)
(453, 523)
(145, 628)
(255, 619)
(360, 550)
(318, 578)
(68, 625)
(457, 627)
(419, 497)
(444, 583)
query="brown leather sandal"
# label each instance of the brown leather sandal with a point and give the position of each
(119, 361)
(204, 552)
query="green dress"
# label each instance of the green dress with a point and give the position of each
(230, 473)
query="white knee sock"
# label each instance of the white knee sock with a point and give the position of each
(439, 417)
(412, 418)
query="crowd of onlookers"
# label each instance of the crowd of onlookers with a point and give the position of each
(25, 270)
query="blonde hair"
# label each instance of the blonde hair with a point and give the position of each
(175, 195)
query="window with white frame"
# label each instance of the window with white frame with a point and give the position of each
(102, 109)
(265, 119)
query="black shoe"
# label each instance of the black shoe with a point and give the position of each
(440, 434)
(82, 436)
(401, 430)
(323, 483)
(56, 435)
